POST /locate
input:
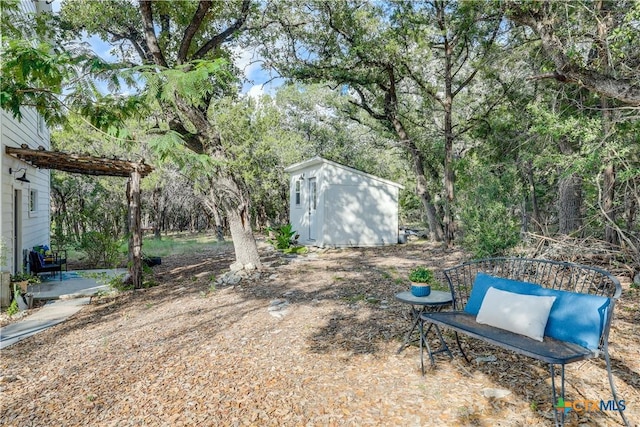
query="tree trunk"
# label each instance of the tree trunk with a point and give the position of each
(569, 204)
(631, 203)
(608, 194)
(156, 213)
(609, 179)
(210, 201)
(235, 203)
(447, 104)
(535, 210)
(422, 191)
(135, 239)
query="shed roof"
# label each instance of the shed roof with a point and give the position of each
(78, 163)
(317, 160)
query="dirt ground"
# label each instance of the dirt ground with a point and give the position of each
(311, 340)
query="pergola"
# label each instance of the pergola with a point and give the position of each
(90, 165)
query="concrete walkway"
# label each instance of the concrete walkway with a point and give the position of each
(65, 298)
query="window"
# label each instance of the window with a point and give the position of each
(314, 195)
(298, 197)
(41, 126)
(33, 200)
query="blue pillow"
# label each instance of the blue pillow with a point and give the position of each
(484, 281)
(576, 318)
(41, 259)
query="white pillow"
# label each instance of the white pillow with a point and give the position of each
(523, 314)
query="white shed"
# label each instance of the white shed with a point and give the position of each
(335, 205)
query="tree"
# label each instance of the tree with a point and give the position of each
(357, 53)
(399, 58)
(182, 52)
(568, 30)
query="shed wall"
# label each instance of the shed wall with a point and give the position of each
(354, 209)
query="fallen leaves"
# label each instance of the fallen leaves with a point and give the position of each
(168, 356)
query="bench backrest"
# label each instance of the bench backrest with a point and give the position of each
(563, 276)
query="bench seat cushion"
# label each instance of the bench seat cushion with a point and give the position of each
(575, 317)
(550, 350)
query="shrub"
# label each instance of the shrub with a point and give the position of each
(284, 236)
(489, 209)
(100, 248)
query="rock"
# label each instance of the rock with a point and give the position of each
(233, 279)
(497, 393)
(236, 266)
(278, 308)
(486, 359)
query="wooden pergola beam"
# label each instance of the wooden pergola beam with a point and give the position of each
(78, 163)
(102, 166)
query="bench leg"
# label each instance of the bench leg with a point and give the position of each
(460, 348)
(555, 401)
(613, 386)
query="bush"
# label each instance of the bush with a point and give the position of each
(285, 236)
(489, 209)
(101, 249)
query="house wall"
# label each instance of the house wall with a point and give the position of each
(32, 226)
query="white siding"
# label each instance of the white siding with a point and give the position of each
(362, 215)
(354, 208)
(33, 227)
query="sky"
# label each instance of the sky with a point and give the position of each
(258, 81)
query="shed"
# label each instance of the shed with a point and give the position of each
(335, 205)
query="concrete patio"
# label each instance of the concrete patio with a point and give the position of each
(64, 298)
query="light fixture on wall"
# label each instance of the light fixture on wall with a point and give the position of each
(23, 178)
(301, 176)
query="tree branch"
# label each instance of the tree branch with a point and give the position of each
(219, 38)
(190, 31)
(150, 34)
(542, 22)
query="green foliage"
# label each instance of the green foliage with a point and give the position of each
(422, 275)
(487, 208)
(101, 248)
(296, 250)
(13, 307)
(25, 277)
(283, 235)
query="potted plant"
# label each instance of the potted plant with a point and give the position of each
(21, 284)
(421, 280)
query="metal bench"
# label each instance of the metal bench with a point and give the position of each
(553, 278)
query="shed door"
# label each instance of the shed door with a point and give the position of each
(313, 205)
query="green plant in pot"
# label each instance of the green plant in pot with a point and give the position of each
(421, 280)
